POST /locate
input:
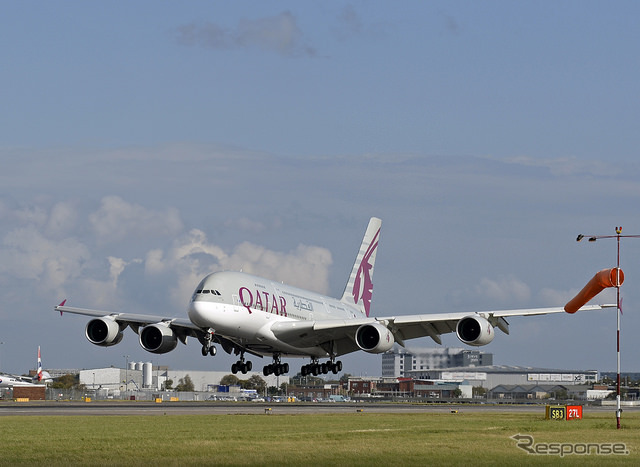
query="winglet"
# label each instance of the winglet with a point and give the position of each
(62, 304)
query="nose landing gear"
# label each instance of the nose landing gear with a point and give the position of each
(207, 344)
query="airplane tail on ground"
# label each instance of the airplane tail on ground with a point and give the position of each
(39, 367)
(41, 376)
(359, 288)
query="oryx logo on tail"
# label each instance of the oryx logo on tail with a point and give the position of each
(359, 289)
(363, 285)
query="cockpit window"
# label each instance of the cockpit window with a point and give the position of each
(207, 291)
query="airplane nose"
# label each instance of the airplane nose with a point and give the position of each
(197, 312)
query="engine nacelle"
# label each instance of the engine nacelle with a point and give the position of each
(374, 338)
(157, 338)
(104, 332)
(474, 330)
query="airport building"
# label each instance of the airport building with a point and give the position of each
(491, 376)
(398, 362)
(498, 381)
(365, 387)
(146, 377)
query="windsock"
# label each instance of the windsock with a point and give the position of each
(613, 277)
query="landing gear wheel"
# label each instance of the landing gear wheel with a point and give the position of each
(277, 368)
(212, 351)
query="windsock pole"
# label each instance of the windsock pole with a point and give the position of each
(618, 311)
(618, 282)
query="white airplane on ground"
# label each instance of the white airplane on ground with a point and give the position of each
(41, 377)
(247, 314)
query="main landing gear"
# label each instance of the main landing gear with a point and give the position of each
(276, 368)
(241, 366)
(314, 368)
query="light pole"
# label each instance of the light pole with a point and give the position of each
(617, 236)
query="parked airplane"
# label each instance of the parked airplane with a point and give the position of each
(41, 377)
(246, 314)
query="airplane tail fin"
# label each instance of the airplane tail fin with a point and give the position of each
(359, 288)
(39, 367)
(41, 376)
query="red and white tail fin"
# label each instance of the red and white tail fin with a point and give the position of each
(359, 288)
(39, 367)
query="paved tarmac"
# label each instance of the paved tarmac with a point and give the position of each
(65, 408)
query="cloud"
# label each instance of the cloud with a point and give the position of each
(279, 34)
(117, 219)
(245, 224)
(117, 267)
(26, 254)
(504, 290)
(306, 266)
(62, 220)
(192, 256)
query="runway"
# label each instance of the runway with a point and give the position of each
(122, 408)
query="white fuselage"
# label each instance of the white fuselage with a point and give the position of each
(246, 306)
(8, 381)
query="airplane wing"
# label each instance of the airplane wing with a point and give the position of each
(136, 320)
(413, 326)
(337, 337)
(183, 328)
(342, 332)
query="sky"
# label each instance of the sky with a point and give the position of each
(146, 144)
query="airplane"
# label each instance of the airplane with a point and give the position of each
(246, 314)
(41, 377)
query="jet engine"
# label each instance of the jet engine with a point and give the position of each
(374, 338)
(474, 330)
(104, 332)
(158, 338)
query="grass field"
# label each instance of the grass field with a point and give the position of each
(347, 439)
